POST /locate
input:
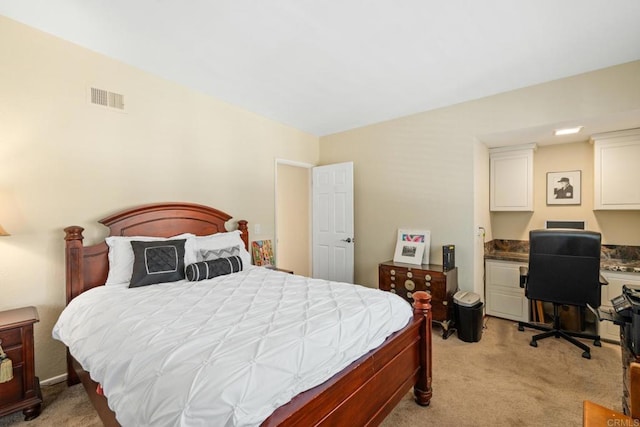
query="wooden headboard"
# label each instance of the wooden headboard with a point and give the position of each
(87, 266)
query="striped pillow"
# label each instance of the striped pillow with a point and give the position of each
(210, 269)
(211, 254)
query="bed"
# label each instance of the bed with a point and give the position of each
(362, 393)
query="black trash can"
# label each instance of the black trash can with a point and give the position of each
(468, 315)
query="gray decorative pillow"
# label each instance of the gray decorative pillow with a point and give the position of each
(157, 262)
(210, 269)
(211, 254)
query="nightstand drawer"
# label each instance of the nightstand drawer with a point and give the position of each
(14, 353)
(12, 391)
(10, 337)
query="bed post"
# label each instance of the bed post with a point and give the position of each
(244, 228)
(74, 277)
(422, 307)
(73, 253)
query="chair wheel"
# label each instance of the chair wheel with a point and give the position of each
(597, 343)
(533, 343)
(586, 355)
(520, 328)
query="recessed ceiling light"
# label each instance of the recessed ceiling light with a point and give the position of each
(568, 131)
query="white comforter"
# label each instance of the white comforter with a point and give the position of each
(226, 351)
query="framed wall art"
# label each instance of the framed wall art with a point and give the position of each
(564, 188)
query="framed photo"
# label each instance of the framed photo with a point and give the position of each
(262, 252)
(409, 252)
(416, 236)
(564, 188)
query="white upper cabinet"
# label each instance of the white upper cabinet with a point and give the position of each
(617, 170)
(511, 178)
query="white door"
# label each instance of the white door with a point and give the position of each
(332, 222)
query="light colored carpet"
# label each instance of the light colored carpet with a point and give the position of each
(503, 381)
(498, 381)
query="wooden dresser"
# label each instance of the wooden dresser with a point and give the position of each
(404, 279)
(16, 336)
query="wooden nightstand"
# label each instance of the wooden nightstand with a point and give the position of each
(271, 267)
(23, 391)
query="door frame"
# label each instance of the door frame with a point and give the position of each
(308, 166)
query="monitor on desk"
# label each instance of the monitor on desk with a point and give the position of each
(576, 225)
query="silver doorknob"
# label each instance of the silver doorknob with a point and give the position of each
(349, 240)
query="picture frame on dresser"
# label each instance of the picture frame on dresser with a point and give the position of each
(564, 188)
(409, 252)
(416, 236)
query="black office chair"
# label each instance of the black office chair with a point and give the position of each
(564, 269)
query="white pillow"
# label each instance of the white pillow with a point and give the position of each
(224, 240)
(121, 255)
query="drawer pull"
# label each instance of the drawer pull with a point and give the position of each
(409, 295)
(393, 291)
(393, 272)
(445, 302)
(393, 285)
(427, 277)
(428, 284)
(409, 275)
(409, 285)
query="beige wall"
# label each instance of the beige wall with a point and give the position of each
(66, 162)
(617, 227)
(429, 171)
(292, 219)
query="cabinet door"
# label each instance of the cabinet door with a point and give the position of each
(505, 297)
(511, 180)
(608, 330)
(616, 171)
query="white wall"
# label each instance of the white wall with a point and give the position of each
(482, 219)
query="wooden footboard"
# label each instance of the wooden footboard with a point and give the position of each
(367, 391)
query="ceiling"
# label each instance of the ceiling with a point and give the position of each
(328, 66)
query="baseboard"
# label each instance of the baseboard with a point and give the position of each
(54, 380)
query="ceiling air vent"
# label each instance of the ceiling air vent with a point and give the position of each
(107, 99)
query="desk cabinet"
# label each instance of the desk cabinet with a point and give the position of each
(505, 297)
(16, 336)
(511, 178)
(404, 279)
